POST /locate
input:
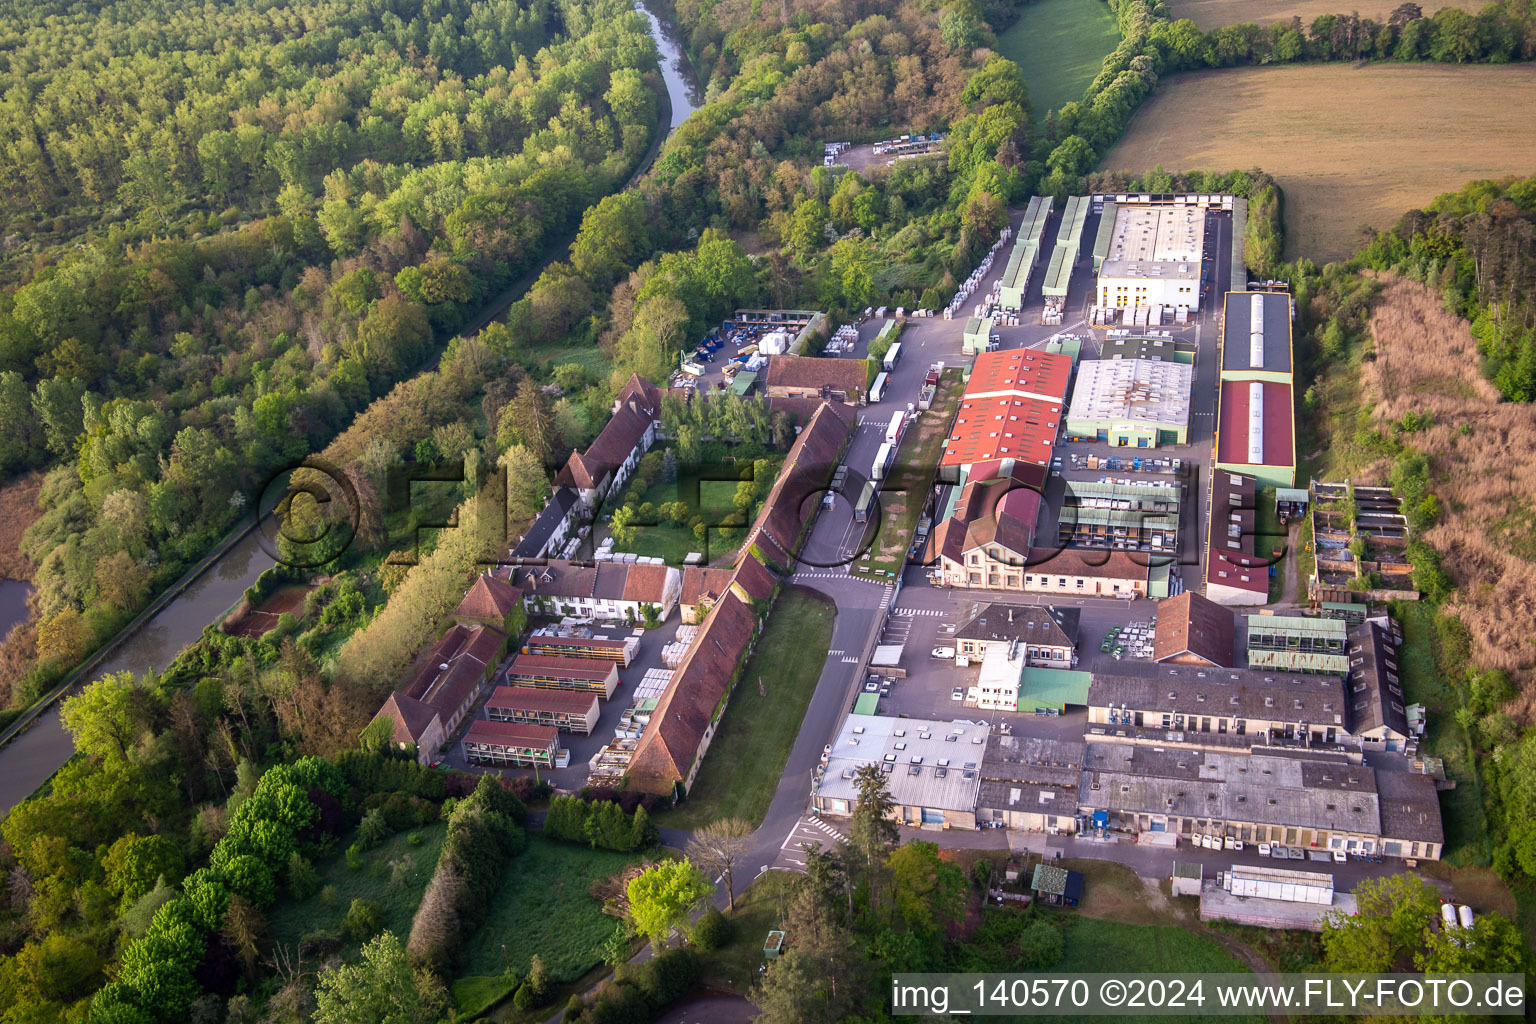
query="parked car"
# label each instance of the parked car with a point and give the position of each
(1339, 857)
(944, 653)
(957, 694)
(871, 687)
(1279, 853)
(1263, 849)
(1296, 854)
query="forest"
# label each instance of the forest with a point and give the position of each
(217, 255)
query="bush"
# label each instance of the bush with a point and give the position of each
(362, 922)
(573, 1009)
(713, 930)
(524, 998)
(981, 873)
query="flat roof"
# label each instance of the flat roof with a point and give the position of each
(1156, 234)
(1132, 391)
(1237, 329)
(1232, 434)
(931, 764)
(1035, 216)
(1148, 269)
(866, 704)
(1053, 687)
(1145, 348)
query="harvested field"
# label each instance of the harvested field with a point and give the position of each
(1426, 362)
(1209, 14)
(18, 510)
(1415, 131)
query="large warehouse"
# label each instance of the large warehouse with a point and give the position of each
(1153, 258)
(1255, 432)
(1011, 409)
(1131, 403)
(1256, 425)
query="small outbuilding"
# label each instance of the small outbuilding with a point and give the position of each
(1187, 876)
(1057, 885)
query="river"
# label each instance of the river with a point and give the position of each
(28, 760)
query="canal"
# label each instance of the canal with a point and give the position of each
(28, 760)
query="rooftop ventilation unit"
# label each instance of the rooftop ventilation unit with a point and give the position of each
(1255, 423)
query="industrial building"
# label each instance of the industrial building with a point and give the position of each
(1297, 643)
(977, 335)
(1011, 409)
(1131, 516)
(1044, 634)
(1198, 706)
(1151, 257)
(584, 644)
(1122, 344)
(1030, 783)
(1256, 337)
(1377, 706)
(1256, 430)
(932, 769)
(1026, 253)
(1192, 630)
(1237, 561)
(1296, 798)
(546, 672)
(1131, 403)
(1069, 241)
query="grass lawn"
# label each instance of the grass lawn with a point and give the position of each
(374, 880)
(746, 757)
(1461, 809)
(734, 966)
(905, 489)
(711, 499)
(1060, 45)
(1269, 535)
(1094, 943)
(543, 907)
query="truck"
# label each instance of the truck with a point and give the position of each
(893, 431)
(892, 356)
(867, 498)
(882, 459)
(877, 389)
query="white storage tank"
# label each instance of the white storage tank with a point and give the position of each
(1448, 916)
(1464, 912)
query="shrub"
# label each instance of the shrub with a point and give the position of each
(524, 998)
(362, 922)
(573, 1009)
(713, 930)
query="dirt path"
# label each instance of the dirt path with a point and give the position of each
(1250, 957)
(1290, 569)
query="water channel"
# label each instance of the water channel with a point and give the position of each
(28, 760)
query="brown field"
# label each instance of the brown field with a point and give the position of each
(1426, 362)
(1209, 14)
(258, 621)
(1350, 146)
(18, 510)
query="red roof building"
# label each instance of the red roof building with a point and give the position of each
(1257, 439)
(584, 675)
(511, 745)
(563, 709)
(1192, 630)
(1013, 408)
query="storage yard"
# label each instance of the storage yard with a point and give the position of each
(1430, 129)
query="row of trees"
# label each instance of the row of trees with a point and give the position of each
(485, 831)
(599, 823)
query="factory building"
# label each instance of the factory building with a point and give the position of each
(1012, 409)
(1151, 257)
(1238, 561)
(1026, 253)
(932, 769)
(1297, 643)
(1131, 403)
(1255, 431)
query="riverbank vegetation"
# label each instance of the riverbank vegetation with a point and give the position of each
(210, 271)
